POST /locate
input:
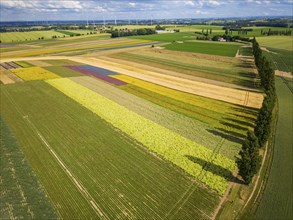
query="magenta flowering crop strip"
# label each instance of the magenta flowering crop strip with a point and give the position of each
(106, 78)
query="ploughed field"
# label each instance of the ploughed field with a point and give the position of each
(130, 135)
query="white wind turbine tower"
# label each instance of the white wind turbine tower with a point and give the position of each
(104, 21)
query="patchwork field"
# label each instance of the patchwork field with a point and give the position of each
(75, 47)
(120, 165)
(239, 97)
(121, 129)
(228, 72)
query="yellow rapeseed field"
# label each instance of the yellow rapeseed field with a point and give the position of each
(34, 73)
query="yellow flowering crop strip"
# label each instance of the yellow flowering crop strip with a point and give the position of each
(192, 99)
(211, 168)
(34, 73)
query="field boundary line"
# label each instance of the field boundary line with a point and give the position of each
(78, 185)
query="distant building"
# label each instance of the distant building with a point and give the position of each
(164, 31)
(222, 39)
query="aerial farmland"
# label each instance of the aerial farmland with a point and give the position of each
(145, 126)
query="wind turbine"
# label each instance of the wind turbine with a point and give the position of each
(104, 21)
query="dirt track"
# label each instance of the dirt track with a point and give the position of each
(284, 74)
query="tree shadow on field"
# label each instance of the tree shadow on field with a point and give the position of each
(246, 110)
(228, 135)
(215, 169)
(239, 121)
(248, 119)
(238, 127)
(247, 74)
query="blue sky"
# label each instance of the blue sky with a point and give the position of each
(26, 10)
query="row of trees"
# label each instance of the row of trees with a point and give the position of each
(126, 32)
(287, 32)
(250, 160)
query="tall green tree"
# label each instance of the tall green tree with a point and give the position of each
(250, 160)
(263, 122)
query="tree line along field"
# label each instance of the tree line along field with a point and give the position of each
(44, 113)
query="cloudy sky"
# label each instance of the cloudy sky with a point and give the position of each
(26, 10)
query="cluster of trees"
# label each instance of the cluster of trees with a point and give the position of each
(159, 27)
(126, 32)
(250, 160)
(287, 32)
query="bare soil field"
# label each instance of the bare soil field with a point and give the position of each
(6, 77)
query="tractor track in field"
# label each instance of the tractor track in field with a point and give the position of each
(184, 198)
(75, 181)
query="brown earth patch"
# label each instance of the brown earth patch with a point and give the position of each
(284, 74)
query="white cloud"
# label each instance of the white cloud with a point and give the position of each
(200, 12)
(190, 3)
(132, 4)
(99, 9)
(214, 3)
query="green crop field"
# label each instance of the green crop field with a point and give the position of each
(168, 37)
(198, 28)
(278, 42)
(22, 196)
(245, 51)
(278, 195)
(281, 59)
(140, 127)
(14, 37)
(79, 46)
(205, 48)
(117, 193)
